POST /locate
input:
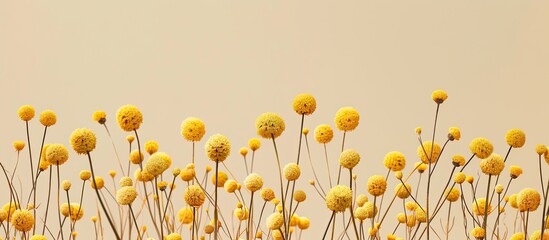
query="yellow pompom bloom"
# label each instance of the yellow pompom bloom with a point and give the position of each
(361, 199)
(398, 175)
(230, 186)
(541, 149)
(515, 171)
(253, 182)
(48, 118)
(10, 207)
(218, 148)
(221, 179)
(479, 207)
(194, 196)
(243, 151)
(66, 185)
(126, 195)
(185, 215)
(18, 145)
(99, 181)
(267, 194)
(421, 215)
(241, 213)
(439, 96)
(292, 171)
(339, 198)
(173, 236)
(324, 133)
(528, 199)
(452, 194)
(403, 191)
(129, 118)
(269, 125)
(395, 161)
(125, 182)
(3, 215)
(347, 119)
(458, 160)
(481, 147)
(420, 166)
(303, 223)
(151, 146)
(130, 138)
(424, 152)
(208, 229)
(517, 236)
(470, 179)
(22, 220)
(454, 134)
(187, 174)
(459, 177)
(275, 221)
(158, 163)
(513, 201)
(376, 185)
(401, 217)
(75, 210)
(305, 131)
(26, 112)
(136, 157)
(492, 165)
(515, 138)
(349, 158)
(536, 235)
(57, 154)
(418, 130)
(254, 144)
(38, 237)
(83, 140)
(478, 233)
(360, 213)
(193, 129)
(304, 104)
(499, 188)
(100, 117)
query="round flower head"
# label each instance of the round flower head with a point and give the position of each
(541, 149)
(439, 96)
(253, 182)
(187, 174)
(275, 221)
(193, 129)
(254, 144)
(269, 125)
(208, 229)
(18, 145)
(158, 163)
(22, 220)
(292, 171)
(515, 171)
(57, 154)
(513, 201)
(100, 117)
(83, 140)
(300, 196)
(420, 215)
(459, 177)
(173, 236)
(395, 161)
(470, 179)
(424, 152)
(418, 130)
(10, 207)
(492, 165)
(125, 182)
(420, 166)
(267, 194)
(38, 237)
(304, 104)
(324, 133)
(377, 185)
(185, 215)
(48, 118)
(339, 198)
(43, 164)
(303, 223)
(458, 160)
(3, 215)
(515, 138)
(241, 213)
(403, 191)
(76, 211)
(243, 151)
(136, 157)
(518, 236)
(360, 213)
(481, 147)
(230, 186)
(66, 184)
(398, 175)
(221, 179)
(194, 196)
(99, 181)
(361, 199)
(479, 207)
(536, 235)
(151, 146)
(26, 112)
(129, 118)
(218, 148)
(478, 233)
(528, 199)
(499, 188)
(454, 134)
(349, 158)
(130, 138)
(452, 194)
(305, 131)
(126, 195)
(347, 119)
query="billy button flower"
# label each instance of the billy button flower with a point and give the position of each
(424, 152)
(151, 147)
(100, 117)
(394, 161)
(454, 134)
(515, 138)
(48, 118)
(439, 96)
(304, 104)
(193, 129)
(481, 147)
(347, 119)
(129, 118)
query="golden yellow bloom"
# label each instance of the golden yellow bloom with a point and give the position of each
(411, 221)
(193, 129)
(187, 174)
(3, 215)
(418, 130)
(479, 207)
(481, 147)
(513, 201)
(112, 173)
(38, 237)
(221, 179)
(515, 138)
(57, 154)
(303, 223)
(528, 199)
(76, 211)
(130, 138)
(66, 184)
(541, 149)
(401, 192)
(398, 175)
(420, 166)
(218, 148)
(515, 171)
(208, 229)
(269, 125)
(129, 118)
(492, 165)
(478, 233)
(136, 157)
(401, 217)
(376, 185)
(48, 118)
(536, 235)
(275, 221)
(253, 182)
(300, 196)
(185, 215)
(361, 199)
(43, 165)
(367, 211)
(125, 182)
(499, 188)
(420, 215)
(243, 151)
(424, 152)
(230, 186)
(158, 163)
(454, 134)
(26, 112)
(452, 194)
(267, 194)
(439, 96)
(241, 213)
(100, 117)
(291, 172)
(254, 144)
(194, 196)
(324, 133)
(394, 161)
(459, 177)
(10, 207)
(94, 218)
(18, 145)
(85, 175)
(458, 160)
(126, 195)
(173, 236)
(83, 140)
(347, 119)
(518, 236)
(470, 179)
(304, 104)
(151, 146)
(99, 181)
(22, 220)
(339, 198)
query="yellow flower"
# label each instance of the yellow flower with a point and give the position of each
(275, 221)
(424, 152)
(459, 177)
(499, 189)
(515, 138)
(420, 215)
(324, 133)
(376, 185)
(125, 182)
(528, 199)
(361, 199)
(536, 235)
(243, 151)
(339, 198)
(304, 104)
(38, 237)
(470, 179)
(173, 236)
(18, 145)
(194, 196)
(230, 186)
(300, 196)
(83, 140)
(26, 112)
(10, 207)
(305, 131)
(518, 236)
(541, 149)
(360, 213)
(349, 158)
(292, 171)
(398, 175)
(439, 96)
(76, 211)
(253, 182)
(158, 163)
(452, 194)
(492, 165)
(193, 129)
(22, 220)
(401, 192)
(100, 117)
(454, 134)
(418, 130)
(187, 174)
(185, 215)
(347, 119)
(99, 181)
(130, 138)
(478, 233)
(395, 161)
(218, 148)
(303, 223)
(481, 147)
(57, 154)
(221, 179)
(66, 184)
(3, 215)
(269, 125)
(420, 166)
(254, 144)
(241, 213)
(458, 160)
(515, 171)
(129, 118)
(513, 201)
(126, 195)
(151, 146)
(48, 118)
(479, 207)
(136, 157)
(267, 194)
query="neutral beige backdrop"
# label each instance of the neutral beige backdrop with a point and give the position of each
(228, 62)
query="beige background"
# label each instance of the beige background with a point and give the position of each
(228, 62)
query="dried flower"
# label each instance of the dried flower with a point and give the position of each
(193, 129)
(26, 112)
(83, 140)
(194, 196)
(218, 148)
(395, 161)
(424, 152)
(292, 171)
(324, 133)
(454, 134)
(151, 146)
(528, 199)
(57, 154)
(439, 96)
(126, 195)
(347, 119)
(129, 118)
(304, 104)
(269, 125)
(515, 138)
(481, 147)
(493, 165)
(253, 182)
(48, 118)
(377, 185)
(254, 144)
(22, 219)
(339, 198)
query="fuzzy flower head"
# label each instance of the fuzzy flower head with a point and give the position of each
(377, 185)
(452, 194)
(254, 144)
(253, 182)
(349, 158)
(492, 165)
(536, 235)
(478, 233)
(97, 183)
(439, 96)
(193, 129)
(26, 112)
(275, 221)
(48, 118)
(528, 199)
(515, 171)
(454, 134)
(218, 148)
(347, 119)
(479, 207)
(304, 104)
(300, 196)
(151, 146)
(458, 160)
(420, 166)
(222, 178)
(125, 182)
(18, 145)
(303, 223)
(57, 154)
(361, 199)
(459, 177)
(22, 220)
(403, 191)
(173, 236)
(324, 133)
(230, 186)
(424, 152)
(269, 125)
(395, 161)
(83, 140)
(100, 117)
(136, 157)
(38, 237)
(292, 171)
(518, 236)
(515, 138)
(129, 118)
(185, 215)
(194, 196)
(75, 211)
(158, 163)
(130, 138)
(126, 195)
(267, 194)
(481, 147)
(339, 198)
(243, 151)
